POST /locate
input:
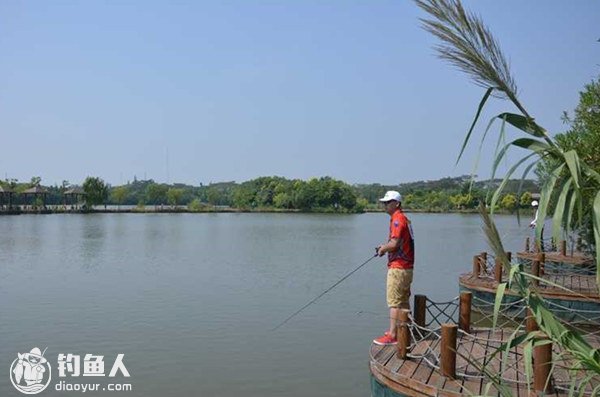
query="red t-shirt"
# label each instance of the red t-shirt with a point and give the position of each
(401, 229)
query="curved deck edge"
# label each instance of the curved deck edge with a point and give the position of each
(490, 286)
(399, 389)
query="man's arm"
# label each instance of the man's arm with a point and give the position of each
(534, 221)
(390, 246)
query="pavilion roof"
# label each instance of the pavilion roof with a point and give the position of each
(35, 190)
(74, 190)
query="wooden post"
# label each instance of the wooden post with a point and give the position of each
(448, 350)
(542, 260)
(498, 270)
(476, 266)
(509, 256)
(542, 364)
(483, 256)
(464, 319)
(420, 309)
(527, 244)
(563, 247)
(403, 334)
(483, 263)
(530, 323)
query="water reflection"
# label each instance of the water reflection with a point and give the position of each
(92, 238)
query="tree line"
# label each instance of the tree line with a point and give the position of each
(323, 194)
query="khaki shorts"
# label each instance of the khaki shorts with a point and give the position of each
(398, 286)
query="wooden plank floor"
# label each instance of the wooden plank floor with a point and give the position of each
(576, 259)
(583, 287)
(416, 377)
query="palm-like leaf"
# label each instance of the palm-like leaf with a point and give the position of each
(469, 45)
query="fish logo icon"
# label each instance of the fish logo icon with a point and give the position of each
(30, 373)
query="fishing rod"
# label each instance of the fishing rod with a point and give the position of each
(324, 292)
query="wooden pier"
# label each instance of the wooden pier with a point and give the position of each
(574, 284)
(558, 254)
(446, 359)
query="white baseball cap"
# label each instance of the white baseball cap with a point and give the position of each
(391, 195)
(534, 203)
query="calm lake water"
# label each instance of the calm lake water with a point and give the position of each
(191, 299)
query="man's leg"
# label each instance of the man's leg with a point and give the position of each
(394, 318)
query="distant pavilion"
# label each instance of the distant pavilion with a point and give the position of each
(6, 198)
(32, 194)
(73, 197)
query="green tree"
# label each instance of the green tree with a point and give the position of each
(156, 194)
(96, 191)
(525, 200)
(583, 140)
(213, 196)
(509, 202)
(282, 200)
(195, 205)
(361, 204)
(303, 196)
(35, 181)
(119, 194)
(174, 196)
(243, 197)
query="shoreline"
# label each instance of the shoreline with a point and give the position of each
(165, 210)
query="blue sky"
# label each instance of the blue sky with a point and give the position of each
(231, 90)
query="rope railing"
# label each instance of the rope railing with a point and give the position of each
(549, 268)
(547, 244)
(441, 312)
(470, 350)
(426, 346)
(564, 371)
(586, 322)
(579, 278)
(511, 314)
(570, 247)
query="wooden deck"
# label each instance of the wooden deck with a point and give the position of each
(583, 287)
(577, 259)
(416, 377)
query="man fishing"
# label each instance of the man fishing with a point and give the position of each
(534, 222)
(401, 257)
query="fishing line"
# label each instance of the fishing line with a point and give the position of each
(324, 292)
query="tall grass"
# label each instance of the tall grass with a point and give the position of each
(469, 45)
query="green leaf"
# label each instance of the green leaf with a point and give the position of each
(520, 189)
(498, 302)
(557, 219)
(590, 171)
(500, 188)
(481, 104)
(531, 144)
(500, 140)
(524, 124)
(534, 145)
(478, 157)
(572, 160)
(528, 356)
(545, 199)
(571, 209)
(596, 212)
